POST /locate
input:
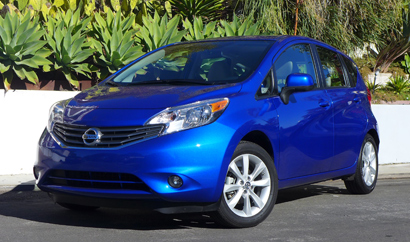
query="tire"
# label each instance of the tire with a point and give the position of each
(365, 178)
(249, 193)
(76, 207)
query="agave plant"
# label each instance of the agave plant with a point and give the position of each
(198, 30)
(114, 42)
(398, 84)
(157, 32)
(236, 28)
(21, 49)
(190, 9)
(66, 36)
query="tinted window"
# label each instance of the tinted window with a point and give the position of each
(199, 63)
(351, 70)
(295, 59)
(331, 67)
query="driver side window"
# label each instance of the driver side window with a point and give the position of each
(295, 59)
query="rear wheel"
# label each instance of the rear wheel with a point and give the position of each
(250, 189)
(365, 178)
(77, 207)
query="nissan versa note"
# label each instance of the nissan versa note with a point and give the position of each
(214, 126)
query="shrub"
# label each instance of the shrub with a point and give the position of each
(406, 63)
(66, 36)
(114, 42)
(198, 30)
(398, 84)
(209, 9)
(21, 50)
(238, 28)
(370, 85)
(157, 31)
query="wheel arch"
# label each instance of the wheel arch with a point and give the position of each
(375, 136)
(261, 139)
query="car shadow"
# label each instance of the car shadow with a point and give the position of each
(25, 202)
(291, 194)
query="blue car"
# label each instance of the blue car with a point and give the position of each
(215, 126)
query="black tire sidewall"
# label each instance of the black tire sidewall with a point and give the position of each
(359, 171)
(229, 217)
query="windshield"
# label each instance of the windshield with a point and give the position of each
(204, 63)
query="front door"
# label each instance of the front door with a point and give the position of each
(305, 125)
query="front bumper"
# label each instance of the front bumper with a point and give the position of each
(199, 156)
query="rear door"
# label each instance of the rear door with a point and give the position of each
(348, 118)
(306, 130)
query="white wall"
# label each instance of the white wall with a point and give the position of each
(382, 78)
(24, 114)
(394, 132)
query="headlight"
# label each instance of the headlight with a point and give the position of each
(190, 116)
(56, 114)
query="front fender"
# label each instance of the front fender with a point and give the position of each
(260, 116)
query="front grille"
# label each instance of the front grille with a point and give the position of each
(100, 180)
(71, 135)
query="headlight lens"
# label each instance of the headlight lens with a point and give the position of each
(190, 116)
(56, 114)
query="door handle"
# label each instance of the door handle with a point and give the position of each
(357, 100)
(324, 103)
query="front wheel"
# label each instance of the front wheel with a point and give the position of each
(365, 178)
(250, 189)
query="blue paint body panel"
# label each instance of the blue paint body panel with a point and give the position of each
(317, 136)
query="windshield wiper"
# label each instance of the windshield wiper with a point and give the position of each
(111, 83)
(172, 82)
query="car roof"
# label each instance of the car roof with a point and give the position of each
(283, 39)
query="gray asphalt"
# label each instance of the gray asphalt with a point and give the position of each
(321, 212)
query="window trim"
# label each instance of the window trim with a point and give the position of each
(274, 89)
(343, 57)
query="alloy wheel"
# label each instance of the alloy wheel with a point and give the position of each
(369, 164)
(247, 185)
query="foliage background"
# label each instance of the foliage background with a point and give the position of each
(94, 38)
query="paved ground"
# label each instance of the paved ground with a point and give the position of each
(321, 212)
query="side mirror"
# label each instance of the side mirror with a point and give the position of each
(296, 83)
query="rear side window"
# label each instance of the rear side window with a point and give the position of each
(295, 59)
(351, 70)
(331, 67)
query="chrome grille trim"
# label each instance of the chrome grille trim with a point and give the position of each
(70, 136)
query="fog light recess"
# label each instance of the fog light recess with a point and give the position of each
(175, 181)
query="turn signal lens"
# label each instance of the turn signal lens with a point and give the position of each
(219, 105)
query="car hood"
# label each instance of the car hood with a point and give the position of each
(148, 96)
